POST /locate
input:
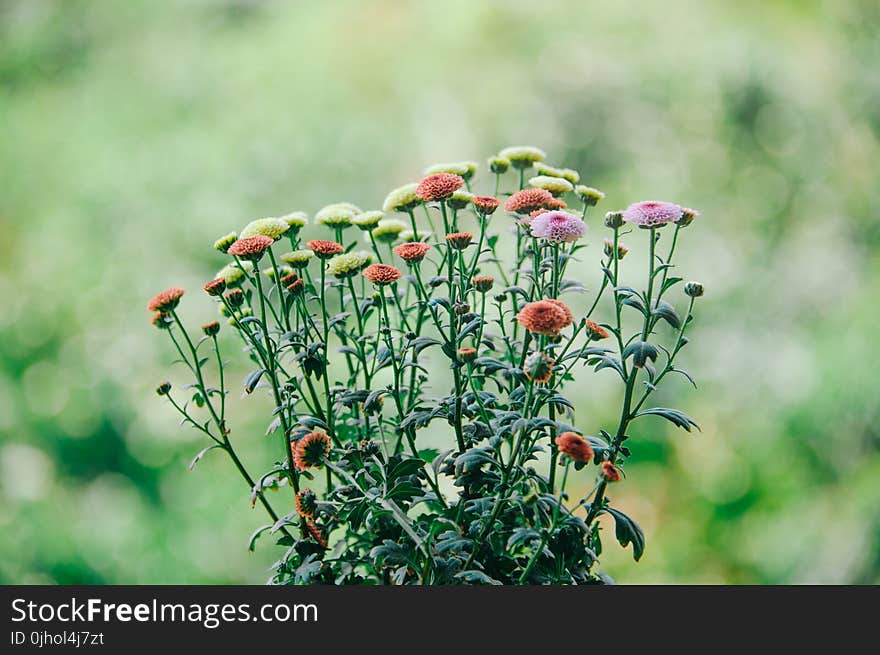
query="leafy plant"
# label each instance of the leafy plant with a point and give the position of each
(339, 338)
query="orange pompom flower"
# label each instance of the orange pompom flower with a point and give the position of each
(324, 249)
(595, 331)
(216, 287)
(439, 186)
(412, 252)
(459, 240)
(166, 300)
(306, 503)
(528, 200)
(610, 472)
(486, 205)
(251, 248)
(382, 274)
(310, 450)
(575, 446)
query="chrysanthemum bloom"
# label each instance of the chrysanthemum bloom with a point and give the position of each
(687, 216)
(388, 230)
(310, 450)
(459, 240)
(235, 298)
(527, 200)
(556, 203)
(348, 264)
(652, 213)
(367, 220)
(306, 503)
(523, 156)
(498, 164)
(402, 199)
(324, 249)
(595, 331)
(296, 287)
(565, 173)
(609, 249)
(298, 258)
(693, 289)
(575, 446)
(251, 248)
(409, 235)
(482, 283)
(315, 533)
(161, 320)
(222, 244)
(281, 271)
(382, 274)
(563, 307)
(289, 279)
(274, 228)
(467, 354)
(558, 227)
(210, 329)
(538, 367)
(588, 195)
(613, 219)
(546, 317)
(337, 215)
(555, 185)
(610, 472)
(233, 274)
(166, 300)
(464, 169)
(215, 287)
(486, 205)
(295, 220)
(164, 389)
(438, 186)
(460, 199)
(412, 252)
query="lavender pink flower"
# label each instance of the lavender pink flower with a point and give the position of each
(558, 226)
(652, 213)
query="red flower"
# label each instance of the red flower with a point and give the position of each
(528, 200)
(545, 317)
(296, 286)
(611, 472)
(482, 283)
(575, 446)
(290, 278)
(459, 240)
(306, 503)
(556, 203)
(166, 300)
(315, 533)
(439, 186)
(467, 354)
(486, 205)
(216, 287)
(325, 249)
(382, 274)
(310, 450)
(412, 252)
(250, 247)
(596, 331)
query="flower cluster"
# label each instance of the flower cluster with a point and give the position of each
(416, 373)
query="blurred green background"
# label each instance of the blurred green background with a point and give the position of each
(135, 133)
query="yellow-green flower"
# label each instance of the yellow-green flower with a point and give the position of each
(337, 215)
(409, 235)
(388, 230)
(283, 270)
(498, 164)
(298, 258)
(233, 274)
(274, 228)
(367, 220)
(588, 195)
(464, 169)
(565, 173)
(402, 199)
(296, 220)
(348, 263)
(244, 312)
(460, 199)
(523, 156)
(222, 244)
(555, 185)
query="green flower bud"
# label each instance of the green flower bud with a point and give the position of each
(274, 228)
(614, 219)
(402, 199)
(588, 195)
(283, 270)
(367, 220)
(693, 289)
(164, 389)
(523, 156)
(222, 244)
(555, 185)
(211, 329)
(242, 314)
(499, 165)
(460, 199)
(388, 230)
(298, 258)
(565, 173)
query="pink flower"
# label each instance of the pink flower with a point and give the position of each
(651, 213)
(558, 226)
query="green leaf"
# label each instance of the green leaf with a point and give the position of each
(641, 352)
(256, 535)
(201, 454)
(680, 419)
(429, 454)
(667, 312)
(627, 532)
(250, 382)
(476, 577)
